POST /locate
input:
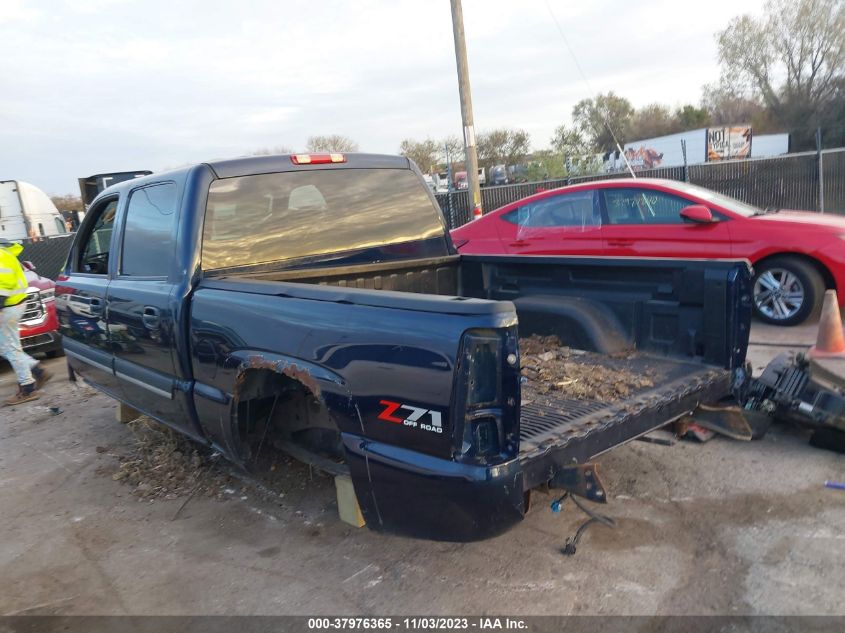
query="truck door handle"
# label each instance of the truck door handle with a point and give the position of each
(519, 243)
(620, 242)
(151, 318)
(95, 306)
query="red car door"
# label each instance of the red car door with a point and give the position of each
(563, 224)
(645, 222)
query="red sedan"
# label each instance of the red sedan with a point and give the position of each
(795, 254)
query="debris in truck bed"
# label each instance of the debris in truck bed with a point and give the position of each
(550, 367)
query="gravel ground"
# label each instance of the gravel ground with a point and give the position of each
(718, 528)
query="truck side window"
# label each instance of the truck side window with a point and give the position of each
(94, 257)
(148, 240)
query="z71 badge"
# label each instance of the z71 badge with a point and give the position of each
(413, 418)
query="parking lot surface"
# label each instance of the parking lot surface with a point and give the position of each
(724, 527)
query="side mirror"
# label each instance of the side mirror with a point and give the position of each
(29, 265)
(697, 213)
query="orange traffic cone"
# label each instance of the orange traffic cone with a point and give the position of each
(476, 212)
(830, 340)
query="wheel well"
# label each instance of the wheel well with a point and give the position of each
(829, 282)
(275, 413)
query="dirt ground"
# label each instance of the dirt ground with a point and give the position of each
(719, 528)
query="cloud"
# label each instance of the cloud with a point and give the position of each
(271, 115)
(104, 85)
(18, 11)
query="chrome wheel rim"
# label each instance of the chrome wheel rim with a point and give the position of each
(778, 294)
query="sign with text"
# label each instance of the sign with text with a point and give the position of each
(725, 143)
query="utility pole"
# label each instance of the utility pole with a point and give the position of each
(473, 188)
(821, 168)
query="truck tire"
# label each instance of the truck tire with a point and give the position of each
(787, 290)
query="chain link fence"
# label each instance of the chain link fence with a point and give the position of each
(784, 182)
(48, 254)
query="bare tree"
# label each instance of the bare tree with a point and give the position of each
(453, 149)
(502, 146)
(331, 143)
(569, 141)
(725, 106)
(69, 202)
(793, 58)
(651, 121)
(423, 153)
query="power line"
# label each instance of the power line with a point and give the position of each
(589, 87)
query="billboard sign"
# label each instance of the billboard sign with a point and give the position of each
(726, 143)
(663, 151)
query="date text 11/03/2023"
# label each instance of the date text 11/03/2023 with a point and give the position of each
(416, 623)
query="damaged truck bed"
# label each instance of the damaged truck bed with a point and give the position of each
(637, 393)
(317, 303)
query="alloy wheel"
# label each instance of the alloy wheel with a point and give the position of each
(778, 293)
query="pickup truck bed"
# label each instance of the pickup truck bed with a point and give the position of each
(555, 429)
(560, 430)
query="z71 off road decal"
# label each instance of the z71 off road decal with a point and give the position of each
(433, 425)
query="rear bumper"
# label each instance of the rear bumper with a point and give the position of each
(413, 494)
(409, 493)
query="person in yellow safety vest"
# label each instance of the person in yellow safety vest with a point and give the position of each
(13, 285)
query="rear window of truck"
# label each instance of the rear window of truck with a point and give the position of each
(291, 215)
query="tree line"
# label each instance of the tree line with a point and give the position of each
(782, 72)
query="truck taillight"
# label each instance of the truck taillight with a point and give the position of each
(483, 354)
(316, 159)
(487, 396)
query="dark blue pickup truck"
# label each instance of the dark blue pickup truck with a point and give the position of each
(315, 304)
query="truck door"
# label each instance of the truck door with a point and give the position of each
(81, 299)
(143, 318)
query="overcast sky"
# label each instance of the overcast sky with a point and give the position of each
(92, 86)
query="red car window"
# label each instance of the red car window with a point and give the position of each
(643, 206)
(578, 209)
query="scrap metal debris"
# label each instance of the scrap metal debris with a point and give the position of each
(549, 366)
